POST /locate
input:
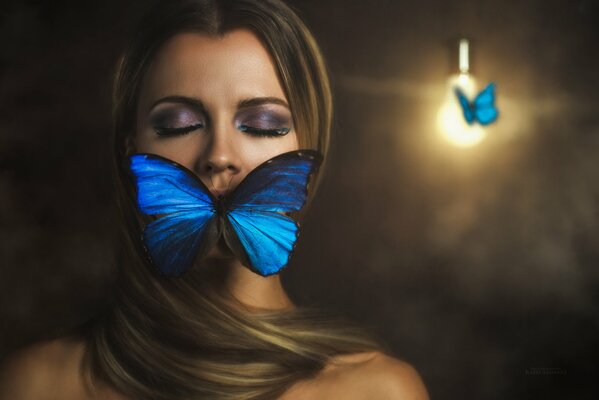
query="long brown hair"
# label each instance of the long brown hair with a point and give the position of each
(182, 338)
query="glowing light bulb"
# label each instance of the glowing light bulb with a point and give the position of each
(450, 118)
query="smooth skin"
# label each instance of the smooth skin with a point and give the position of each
(221, 74)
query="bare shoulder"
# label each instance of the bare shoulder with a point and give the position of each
(360, 376)
(45, 370)
(392, 378)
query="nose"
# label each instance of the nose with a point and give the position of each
(218, 164)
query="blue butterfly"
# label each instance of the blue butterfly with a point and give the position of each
(482, 109)
(250, 219)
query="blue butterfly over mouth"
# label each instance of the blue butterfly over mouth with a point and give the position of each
(482, 109)
(250, 219)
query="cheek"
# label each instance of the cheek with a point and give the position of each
(255, 151)
(182, 149)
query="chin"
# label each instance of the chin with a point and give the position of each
(214, 267)
(220, 251)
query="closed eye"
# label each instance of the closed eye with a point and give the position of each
(164, 131)
(263, 132)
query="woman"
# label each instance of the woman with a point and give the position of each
(218, 87)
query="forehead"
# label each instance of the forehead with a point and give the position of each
(218, 70)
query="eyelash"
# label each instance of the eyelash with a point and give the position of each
(177, 131)
(244, 128)
(264, 132)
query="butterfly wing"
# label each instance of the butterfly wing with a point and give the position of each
(173, 242)
(466, 106)
(484, 105)
(256, 230)
(186, 225)
(165, 187)
(263, 240)
(279, 184)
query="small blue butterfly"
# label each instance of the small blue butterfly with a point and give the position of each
(482, 109)
(250, 219)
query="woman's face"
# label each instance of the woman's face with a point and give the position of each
(204, 101)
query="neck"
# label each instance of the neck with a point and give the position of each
(253, 290)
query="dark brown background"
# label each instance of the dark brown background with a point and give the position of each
(479, 266)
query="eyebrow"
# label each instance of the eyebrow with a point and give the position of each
(197, 103)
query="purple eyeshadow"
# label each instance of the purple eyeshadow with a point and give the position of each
(264, 120)
(259, 117)
(175, 118)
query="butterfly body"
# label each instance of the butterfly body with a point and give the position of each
(251, 219)
(482, 109)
